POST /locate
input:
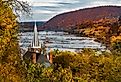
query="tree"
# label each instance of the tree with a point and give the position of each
(10, 62)
(18, 6)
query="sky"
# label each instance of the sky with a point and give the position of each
(43, 10)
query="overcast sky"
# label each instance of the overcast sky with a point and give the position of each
(43, 10)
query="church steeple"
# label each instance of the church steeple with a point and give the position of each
(35, 42)
(37, 53)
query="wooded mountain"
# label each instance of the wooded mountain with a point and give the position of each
(29, 26)
(71, 19)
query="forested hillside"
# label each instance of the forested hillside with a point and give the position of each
(71, 19)
(106, 31)
(28, 26)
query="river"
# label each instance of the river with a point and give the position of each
(59, 40)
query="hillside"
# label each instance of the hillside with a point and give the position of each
(28, 26)
(71, 19)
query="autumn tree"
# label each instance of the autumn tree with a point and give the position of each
(10, 67)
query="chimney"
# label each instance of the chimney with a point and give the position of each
(51, 57)
(34, 57)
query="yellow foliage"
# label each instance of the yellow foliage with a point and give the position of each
(114, 38)
(8, 26)
(10, 70)
(3, 24)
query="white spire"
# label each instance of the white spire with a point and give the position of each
(35, 42)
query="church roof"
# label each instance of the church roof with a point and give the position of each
(41, 58)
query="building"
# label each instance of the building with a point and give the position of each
(37, 52)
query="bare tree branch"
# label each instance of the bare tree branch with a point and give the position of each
(18, 7)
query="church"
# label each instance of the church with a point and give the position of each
(37, 52)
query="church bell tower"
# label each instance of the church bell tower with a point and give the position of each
(35, 48)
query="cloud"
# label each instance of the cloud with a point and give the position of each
(45, 4)
(43, 12)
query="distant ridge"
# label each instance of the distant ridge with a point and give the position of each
(28, 26)
(70, 19)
